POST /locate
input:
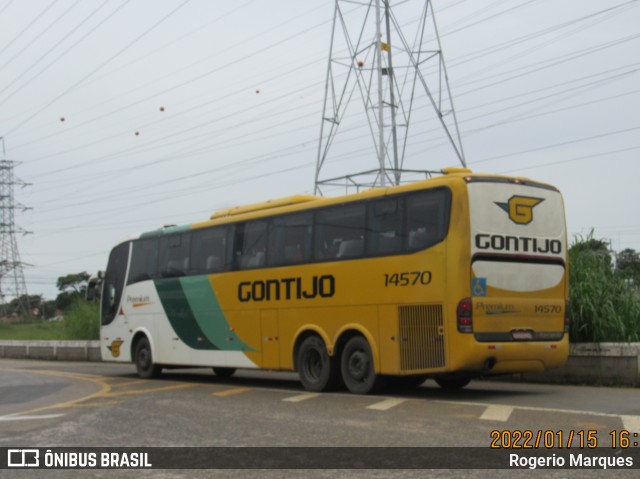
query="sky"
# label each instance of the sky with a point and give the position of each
(123, 116)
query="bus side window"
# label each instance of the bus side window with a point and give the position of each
(340, 232)
(144, 260)
(251, 244)
(384, 232)
(208, 250)
(114, 282)
(290, 239)
(174, 255)
(427, 221)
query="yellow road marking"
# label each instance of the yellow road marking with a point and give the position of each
(130, 383)
(105, 388)
(230, 392)
(148, 390)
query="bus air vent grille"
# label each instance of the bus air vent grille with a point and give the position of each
(421, 337)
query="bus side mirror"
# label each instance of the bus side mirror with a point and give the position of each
(92, 286)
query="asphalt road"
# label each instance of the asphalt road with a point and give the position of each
(60, 404)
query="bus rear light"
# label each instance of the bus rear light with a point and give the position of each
(465, 316)
(567, 316)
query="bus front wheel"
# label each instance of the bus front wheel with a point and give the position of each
(318, 371)
(144, 360)
(357, 367)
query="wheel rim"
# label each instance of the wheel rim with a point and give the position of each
(358, 365)
(144, 358)
(313, 365)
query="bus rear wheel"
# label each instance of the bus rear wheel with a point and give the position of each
(318, 371)
(357, 367)
(224, 372)
(144, 360)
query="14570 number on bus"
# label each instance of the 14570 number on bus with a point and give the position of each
(409, 278)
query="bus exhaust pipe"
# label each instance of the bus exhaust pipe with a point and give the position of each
(489, 364)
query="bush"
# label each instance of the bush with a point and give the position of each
(82, 320)
(603, 305)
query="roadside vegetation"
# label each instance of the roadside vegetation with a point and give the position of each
(69, 316)
(49, 330)
(604, 294)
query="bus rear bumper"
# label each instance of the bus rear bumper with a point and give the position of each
(515, 357)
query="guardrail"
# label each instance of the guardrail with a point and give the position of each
(51, 350)
(588, 363)
(608, 364)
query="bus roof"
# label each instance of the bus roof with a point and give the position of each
(265, 205)
(301, 202)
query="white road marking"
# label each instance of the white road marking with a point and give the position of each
(387, 404)
(631, 423)
(15, 417)
(497, 413)
(301, 397)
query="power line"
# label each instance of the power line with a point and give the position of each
(99, 67)
(44, 55)
(25, 29)
(39, 35)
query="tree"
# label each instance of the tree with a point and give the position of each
(73, 283)
(27, 306)
(71, 287)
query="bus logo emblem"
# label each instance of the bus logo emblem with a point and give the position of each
(115, 348)
(520, 208)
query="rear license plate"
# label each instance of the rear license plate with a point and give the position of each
(522, 335)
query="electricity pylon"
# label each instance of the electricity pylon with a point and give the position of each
(398, 72)
(12, 283)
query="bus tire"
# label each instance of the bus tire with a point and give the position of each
(224, 372)
(144, 360)
(357, 368)
(452, 384)
(317, 370)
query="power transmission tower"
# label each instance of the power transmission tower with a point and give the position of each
(398, 72)
(12, 283)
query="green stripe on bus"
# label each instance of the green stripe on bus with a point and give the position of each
(167, 230)
(209, 315)
(180, 315)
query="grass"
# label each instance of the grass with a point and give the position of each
(80, 322)
(47, 330)
(603, 305)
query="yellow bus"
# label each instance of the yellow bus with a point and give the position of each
(454, 277)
